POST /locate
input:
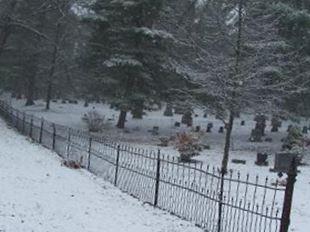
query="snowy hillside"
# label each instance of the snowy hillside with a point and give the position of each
(70, 115)
(39, 194)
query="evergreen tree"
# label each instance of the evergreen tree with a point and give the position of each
(294, 26)
(128, 55)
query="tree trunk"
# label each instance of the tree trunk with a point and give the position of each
(233, 103)
(30, 91)
(6, 28)
(122, 119)
(53, 66)
(48, 95)
(227, 142)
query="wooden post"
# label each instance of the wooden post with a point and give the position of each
(117, 164)
(157, 179)
(288, 198)
(89, 152)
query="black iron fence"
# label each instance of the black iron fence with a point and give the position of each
(197, 193)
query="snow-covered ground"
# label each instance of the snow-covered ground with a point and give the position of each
(137, 130)
(39, 194)
(137, 135)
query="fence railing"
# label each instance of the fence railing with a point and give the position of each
(197, 193)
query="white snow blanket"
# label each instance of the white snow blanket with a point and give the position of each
(38, 194)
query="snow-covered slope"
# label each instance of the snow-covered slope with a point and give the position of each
(38, 194)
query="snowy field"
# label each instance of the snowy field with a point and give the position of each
(39, 194)
(137, 135)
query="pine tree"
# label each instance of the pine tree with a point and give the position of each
(294, 26)
(129, 53)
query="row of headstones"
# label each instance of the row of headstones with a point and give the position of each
(283, 161)
(65, 101)
(198, 128)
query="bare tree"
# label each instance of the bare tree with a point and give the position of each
(234, 54)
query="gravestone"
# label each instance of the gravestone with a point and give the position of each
(276, 124)
(260, 124)
(209, 127)
(256, 136)
(187, 119)
(238, 161)
(305, 130)
(289, 128)
(261, 159)
(155, 130)
(221, 130)
(283, 161)
(242, 123)
(73, 101)
(168, 111)
(86, 104)
(268, 139)
(164, 142)
(177, 124)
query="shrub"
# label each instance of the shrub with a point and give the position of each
(293, 139)
(188, 146)
(95, 122)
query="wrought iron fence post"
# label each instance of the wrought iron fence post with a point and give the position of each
(41, 130)
(89, 152)
(157, 179)
(288, 198)
(220, 206)
(31, 127)
(117, 164)
(54, 136)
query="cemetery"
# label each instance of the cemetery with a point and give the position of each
(200, 143)
(195, 110)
